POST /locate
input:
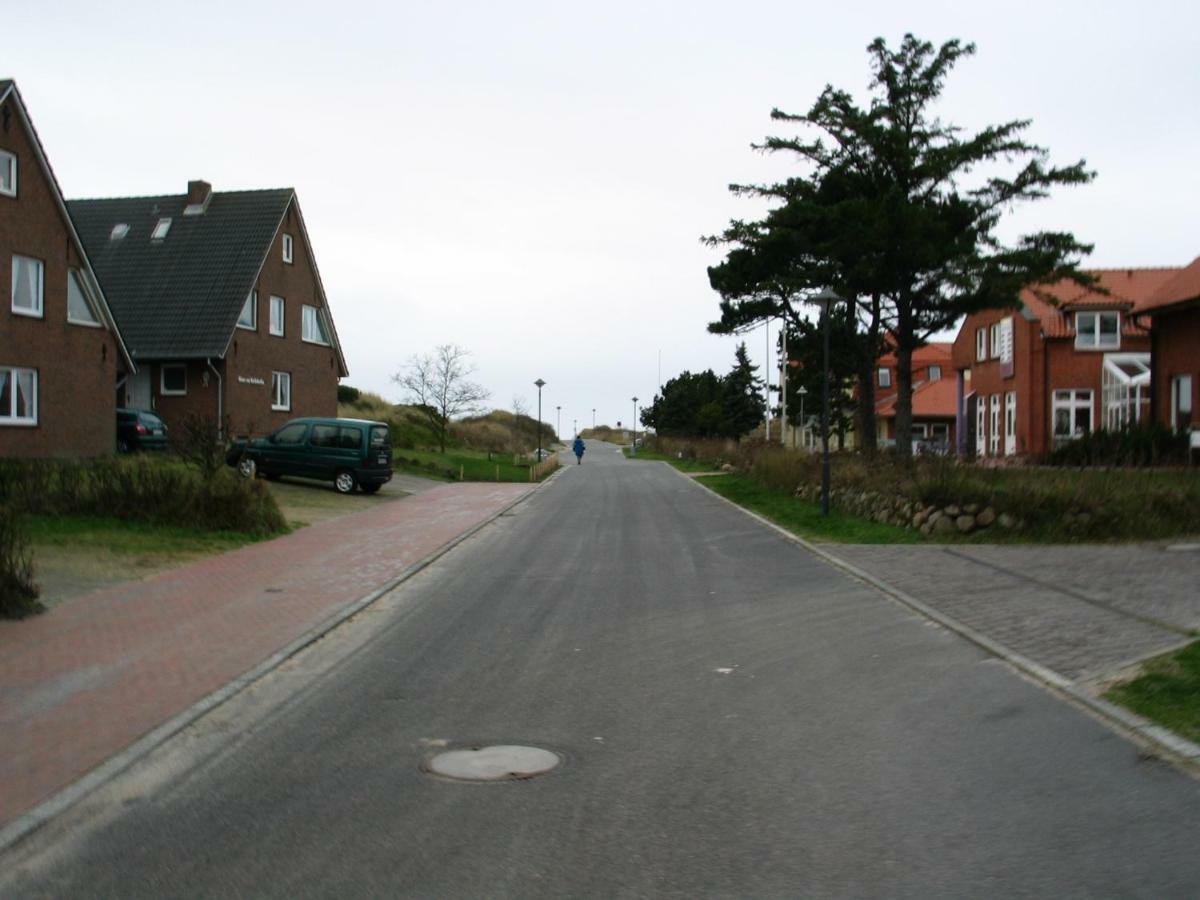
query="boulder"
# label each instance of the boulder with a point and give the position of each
(985, 518)
(1006, 521)
(919, 519)
(927, 529)
(965, 523)
(971, 508)
(953, 511)
(944, 525)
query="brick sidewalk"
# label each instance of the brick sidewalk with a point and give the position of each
(1086, 612)
(87, 679)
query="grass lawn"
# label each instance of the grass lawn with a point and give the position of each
(803, 518)
(473, 464)
(76, 554)
(1168, 692)
(683, 465)
(304, 502)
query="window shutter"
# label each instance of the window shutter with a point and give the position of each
(1006, 347)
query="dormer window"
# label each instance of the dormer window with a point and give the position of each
(1097, 330)
(287, 248)
(119, 231)
(160, 230)
(8, 174)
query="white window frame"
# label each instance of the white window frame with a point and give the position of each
(11, 159)
(288, 247)
(932, 370)
(1071, 404)
(1010, 423)
(994, 335)
(252, 302)
(980, 344)
(277, 321)
(994, 426)
(1006, 339)
(39, 288)
(980, 425)
(161, 229)
(1091, 339)
(885, 377)
(281, 400)
(162, 380)
(1181, 390)
(312, 314)
(6, 415)
(76, 276)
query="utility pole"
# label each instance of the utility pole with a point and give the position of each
(767, 379)
(540, 384)
(783, 386)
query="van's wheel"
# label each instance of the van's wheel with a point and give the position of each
(344, 482)
(370, 488)
(247, 467)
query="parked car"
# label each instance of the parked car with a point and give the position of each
(349, 452)
(140, 429)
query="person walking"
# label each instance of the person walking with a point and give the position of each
(578, 448)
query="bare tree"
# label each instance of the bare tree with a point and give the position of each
(437, 384)
(520, 412)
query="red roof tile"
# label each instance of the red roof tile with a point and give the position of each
(934, 353)
(930, 399)
(1129, 290)
(1182, 287)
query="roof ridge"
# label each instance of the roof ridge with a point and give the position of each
(274, 190)
(1131, 269)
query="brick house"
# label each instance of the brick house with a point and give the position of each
(219, 298)
(1069, 360)
(933, 396)
(1174, 313)
(61, 354)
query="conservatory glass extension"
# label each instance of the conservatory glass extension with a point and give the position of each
(1126, 389)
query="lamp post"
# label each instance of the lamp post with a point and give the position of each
(783, 385)
(558, 423)
(824, 300)
(633, 446)
(767, 381)
(593, 419)
(575, 427)
(540, 384)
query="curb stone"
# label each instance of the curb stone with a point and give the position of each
(62, 800)
(1130, 725)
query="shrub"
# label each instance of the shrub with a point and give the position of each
(161, 491)
(202, 441)
(18, 593)
(1144, 445)
(347, 394)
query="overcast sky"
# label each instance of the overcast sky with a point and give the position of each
(531, 180)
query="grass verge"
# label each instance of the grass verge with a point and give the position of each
(472, 465)
(802, 517)
(1168, 692)
(682, 464)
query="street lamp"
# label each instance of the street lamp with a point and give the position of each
(558, 423)
(593, 419)
(824, 301)
(540, 384)
(803, 428)
(633, 446)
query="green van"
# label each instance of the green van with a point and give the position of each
(349, 452)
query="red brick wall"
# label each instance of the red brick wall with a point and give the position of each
(76, 364)
(254, 355)
(1176, 352)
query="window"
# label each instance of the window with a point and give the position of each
(1010, 423)
(160, 230)
(1072, 412)
(281, 390)
(8, 174)
(1096, 330)
(994, 331)
(172, 380)
(287, 248)
(118, 231)
(980, 425)
(277, 308)
(291, 434)
(885, 378)
(940, 432)
(312, 326)
(1181, 401)
(380, 436)
(935, 373)
(1006, 341)
(994, 427)
(980, 344)
(79, 306)
(349, 438)
(249, 317)
(1125, 389)
(27, 276)
(18, 396)
(324, 436)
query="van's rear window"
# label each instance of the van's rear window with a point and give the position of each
(379, 436)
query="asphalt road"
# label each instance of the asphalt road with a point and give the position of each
(736, 718)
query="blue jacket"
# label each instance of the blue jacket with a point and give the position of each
(578, 446)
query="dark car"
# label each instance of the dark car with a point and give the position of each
(140, 429)
(349, 452)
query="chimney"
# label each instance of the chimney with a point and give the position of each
(198, 195)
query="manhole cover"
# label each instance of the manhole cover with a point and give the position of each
(503, 762)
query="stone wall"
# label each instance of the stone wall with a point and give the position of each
(953, 518)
